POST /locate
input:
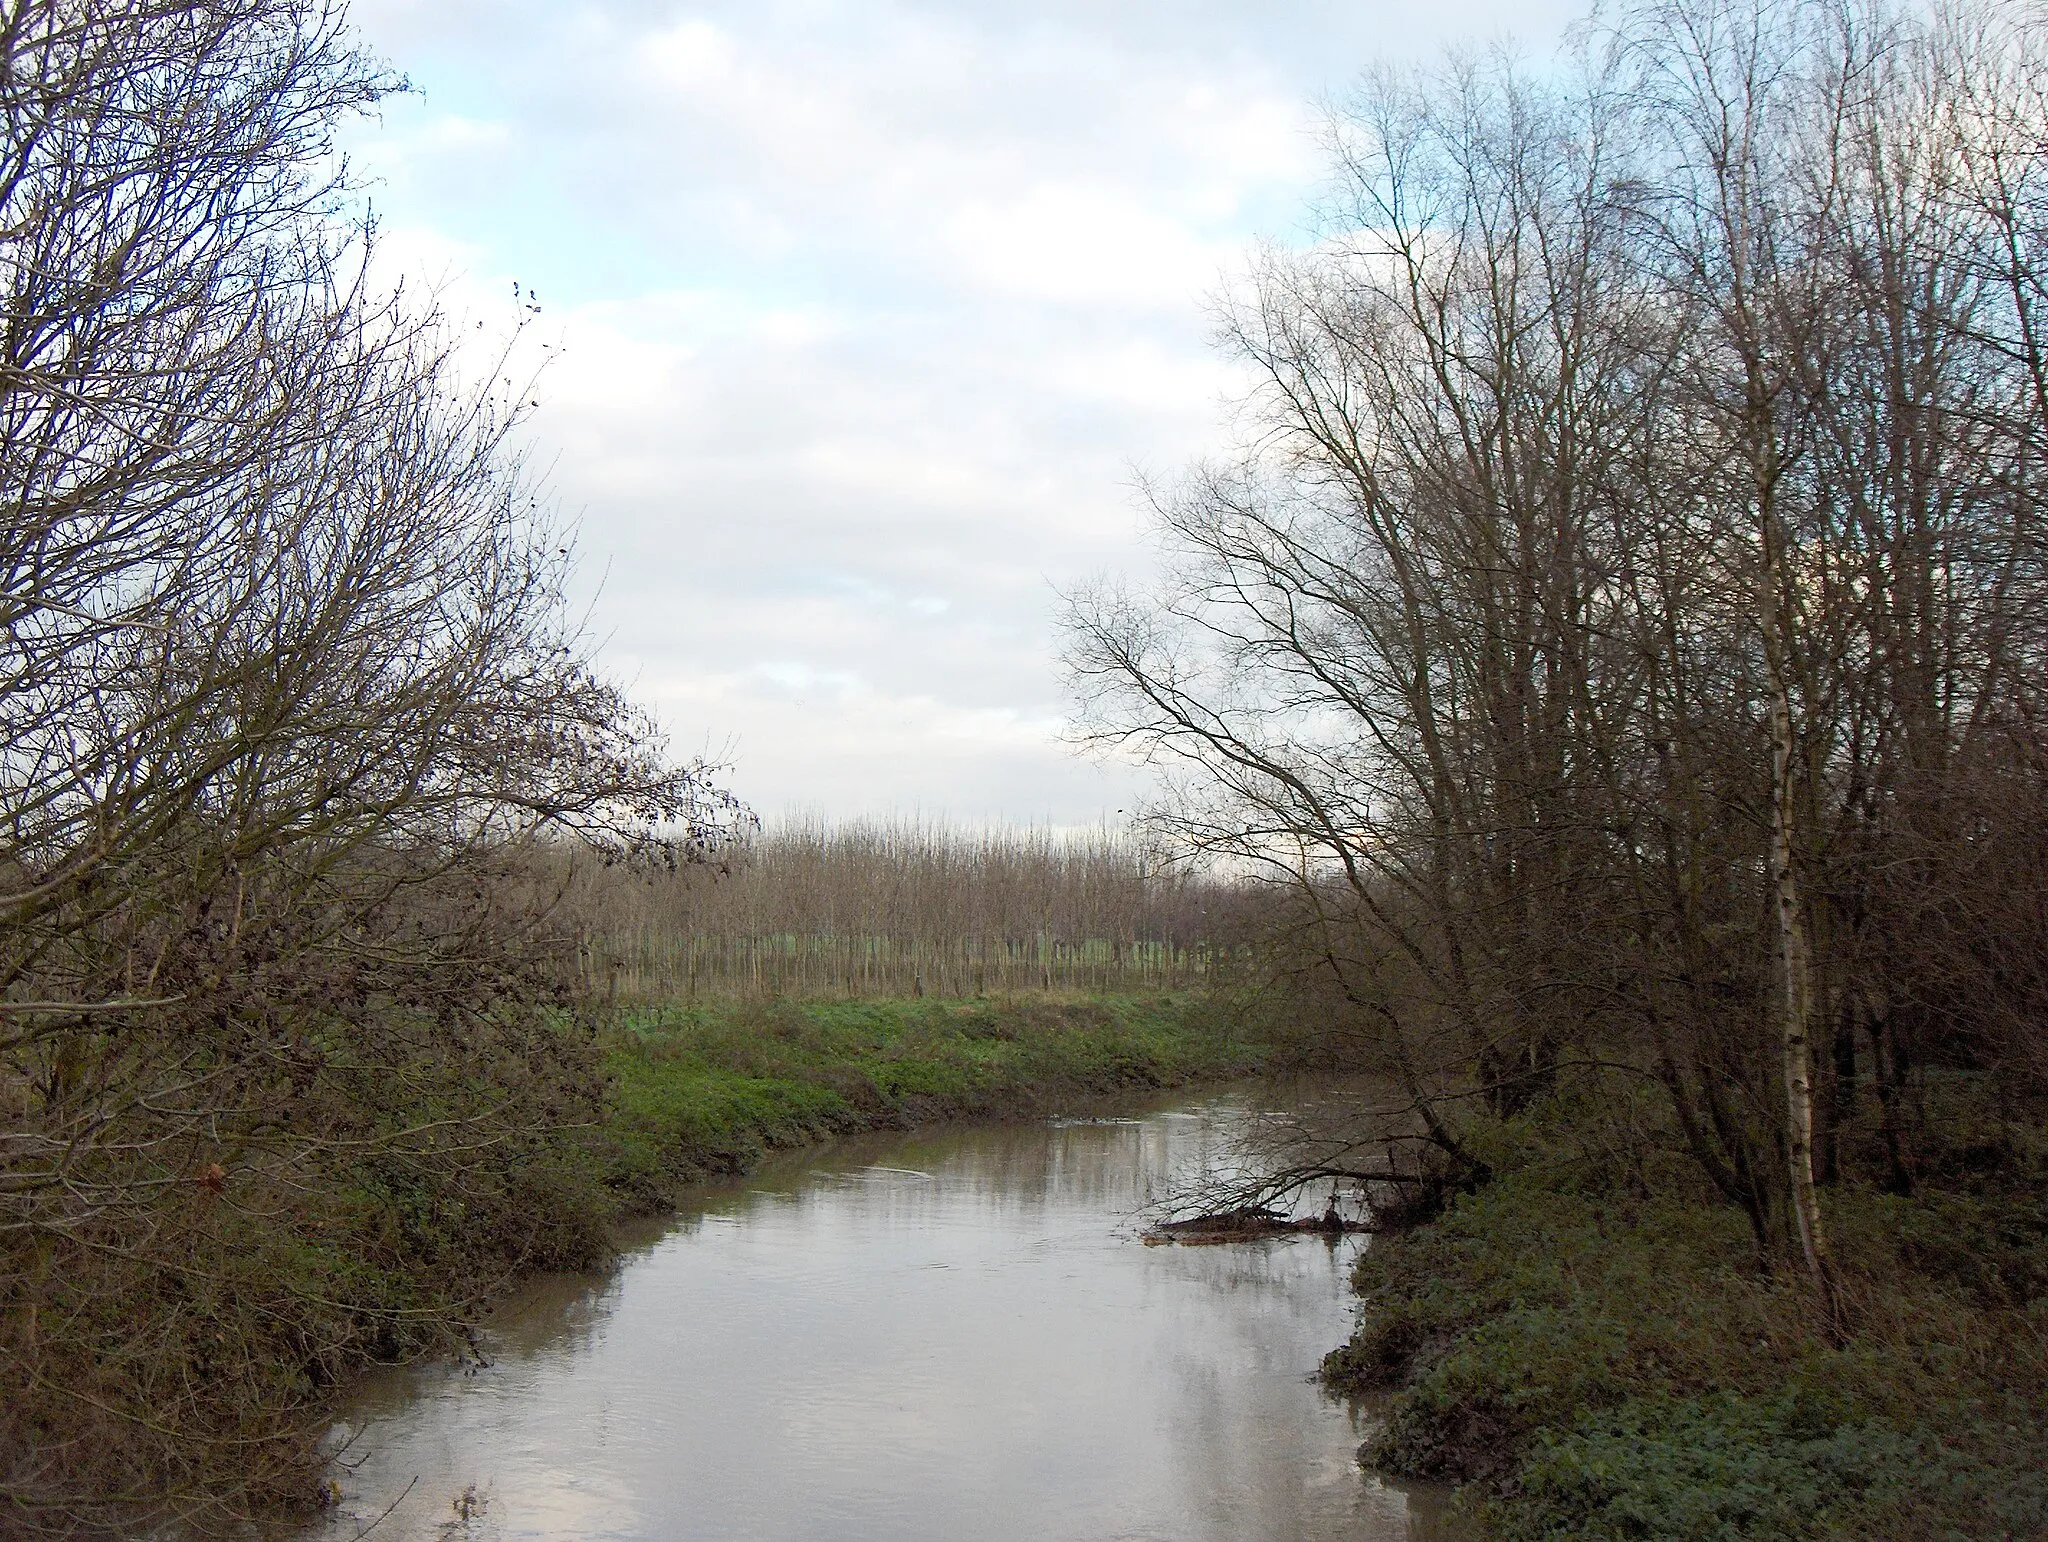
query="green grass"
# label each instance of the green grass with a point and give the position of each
(710, 1090)
(1601, 1357)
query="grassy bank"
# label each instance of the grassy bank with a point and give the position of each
(683, 1094)
(706, 1091)
(1590, 1346)
(702, 1091)
(197, 1387)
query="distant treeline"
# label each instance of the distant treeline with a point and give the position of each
(905, 908)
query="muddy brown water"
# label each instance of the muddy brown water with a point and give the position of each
(945, 1335)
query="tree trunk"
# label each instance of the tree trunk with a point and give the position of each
(1796, 1005)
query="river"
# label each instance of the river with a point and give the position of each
(947, 1335)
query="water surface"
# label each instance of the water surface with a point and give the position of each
(945, 1336)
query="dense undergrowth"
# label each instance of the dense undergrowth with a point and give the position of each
(1590, 1345)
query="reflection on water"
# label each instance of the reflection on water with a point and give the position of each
(943, 1336)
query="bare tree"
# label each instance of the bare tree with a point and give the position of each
(1629, 584)
(287, 691)
(903, 907)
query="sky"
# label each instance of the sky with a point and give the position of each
(862, 322)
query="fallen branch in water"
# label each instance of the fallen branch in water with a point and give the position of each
(1247, 1223)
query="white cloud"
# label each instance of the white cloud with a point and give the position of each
(865, 313)
(1068, 242)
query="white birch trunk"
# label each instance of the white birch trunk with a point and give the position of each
(1797, 999)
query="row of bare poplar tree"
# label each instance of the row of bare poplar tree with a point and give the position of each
(286, 687)
(1625, 631)
(903, 907)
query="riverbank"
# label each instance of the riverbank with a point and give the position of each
(708, 1091)
(1588, 1345)
(200, 1393)
(682, 1094)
